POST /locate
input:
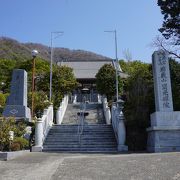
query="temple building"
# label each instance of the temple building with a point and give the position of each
(85, 72)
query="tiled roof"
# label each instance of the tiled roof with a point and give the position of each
(88, 69)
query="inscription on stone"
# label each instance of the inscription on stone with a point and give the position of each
(162, 84)
(17, 101)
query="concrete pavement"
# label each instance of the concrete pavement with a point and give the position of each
(53, 166)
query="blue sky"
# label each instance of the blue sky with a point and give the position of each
(84, 23)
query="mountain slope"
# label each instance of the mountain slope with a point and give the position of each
(12, 49)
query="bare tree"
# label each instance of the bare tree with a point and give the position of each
(127, 55)
(167, 45)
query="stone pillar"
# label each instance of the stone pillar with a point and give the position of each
(59, 115)
(121, 131)
(108, 115)
(38, 136)
(75, 99)
(162, 83)
(164, 133)
(16, 105)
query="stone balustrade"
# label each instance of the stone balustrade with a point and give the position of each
(42, 127)
(106, 110)
(118, 125)
(74, 99)
(62, 109)
(99, 97)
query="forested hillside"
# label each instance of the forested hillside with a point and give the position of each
(12, 49)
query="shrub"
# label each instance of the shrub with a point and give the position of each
(2, 99)
(40, 102)
(24, 144)
(6, 125)
(15, 146)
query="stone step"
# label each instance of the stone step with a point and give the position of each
(82, 142)
(95, 138)
(88, 138)
(80, 149)
(80, 145)
(76, 127)
(76, 132)
(95, 114)
(84, 132)
(84, 136)
(85, 128)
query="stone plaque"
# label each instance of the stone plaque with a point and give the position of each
(164, 133)
(162, 83)
(16, 105)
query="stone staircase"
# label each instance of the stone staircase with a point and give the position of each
(95, 138)
(95, 114)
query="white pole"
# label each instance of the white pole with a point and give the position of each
(50, 84)
(116, 62)
(50, 88)
(117, 91)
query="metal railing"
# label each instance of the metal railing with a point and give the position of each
(81, 115)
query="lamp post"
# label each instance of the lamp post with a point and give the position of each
(57, 33)
(34, 54)
(116, 63)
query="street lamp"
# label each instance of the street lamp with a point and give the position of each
(34, 54)
(116, 63)
(57, 33)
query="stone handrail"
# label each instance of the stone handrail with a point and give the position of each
(118, 126)
(99, 97)
(75, 99)
(106, 110)
(42, 128)
(62, 109)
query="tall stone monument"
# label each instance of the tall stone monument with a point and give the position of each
(164, 133)
(16, 105)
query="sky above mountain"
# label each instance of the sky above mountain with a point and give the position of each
(84, 23)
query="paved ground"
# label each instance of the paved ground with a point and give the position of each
(45, 166)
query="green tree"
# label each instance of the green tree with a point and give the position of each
(171, 11)
(40, 102)
(42, 68)
(106, 81)
(6, 68)
(63, 82)
(175, 83)
(139, 103)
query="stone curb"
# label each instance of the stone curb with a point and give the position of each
(5, 156)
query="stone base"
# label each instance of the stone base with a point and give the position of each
(12, 154)
(122, 148)
(164, 133)
(165, 119)
(18, 112)
(163, 139)
(37, 149)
